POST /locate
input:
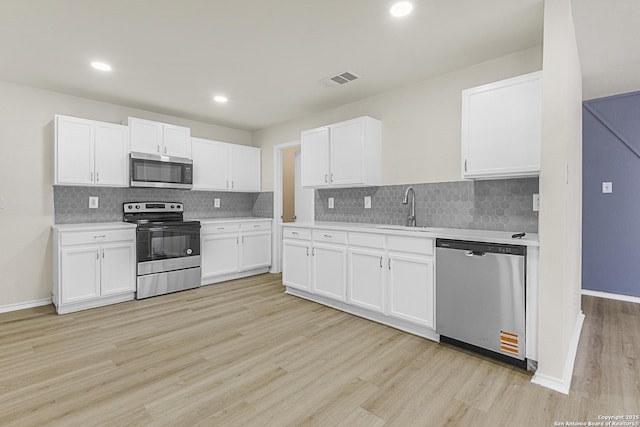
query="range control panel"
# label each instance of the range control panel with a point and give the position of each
(131, 207)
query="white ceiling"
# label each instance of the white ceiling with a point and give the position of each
(608, 33)
(172, 56)
(267, 56)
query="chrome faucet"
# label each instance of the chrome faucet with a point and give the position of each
(411, 219)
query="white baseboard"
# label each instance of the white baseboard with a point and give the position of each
(619, 297)
(563, 385)
(22, 305)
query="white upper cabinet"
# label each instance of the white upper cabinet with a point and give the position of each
(88, 152)
(501, 128)
(220, 166)
(245, 168)
(159, 138)
(210, 165)
(345, 154)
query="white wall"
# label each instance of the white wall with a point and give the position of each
(421, 122)
(560, 218)
(26, 171)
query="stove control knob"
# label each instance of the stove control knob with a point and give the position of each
(178, 206)
(137, 206)
(173, 206)
(130, 206)
(189, 251)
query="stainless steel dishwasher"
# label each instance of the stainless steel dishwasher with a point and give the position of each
(480, 297)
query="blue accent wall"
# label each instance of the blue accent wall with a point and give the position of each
(611, 222)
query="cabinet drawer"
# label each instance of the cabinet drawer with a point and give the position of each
(417, 245)
(296, 233)
(220, 228)
(330, 236)
(367, 240)
(91, 237)
(255, 226)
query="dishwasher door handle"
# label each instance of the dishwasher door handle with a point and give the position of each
(474, 253)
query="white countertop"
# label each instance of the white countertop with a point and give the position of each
(91, 226)
(232, 219)
(530, 239)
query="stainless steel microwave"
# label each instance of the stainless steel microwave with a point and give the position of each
(152, 170)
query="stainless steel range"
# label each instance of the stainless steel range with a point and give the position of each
(167, 248)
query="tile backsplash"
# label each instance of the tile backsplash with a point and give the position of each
(500, 205)
(71, 203)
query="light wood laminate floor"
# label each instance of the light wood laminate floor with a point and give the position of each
(244, 353)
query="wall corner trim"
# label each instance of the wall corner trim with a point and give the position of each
(609, 295)
(22, 305)
(563, 385)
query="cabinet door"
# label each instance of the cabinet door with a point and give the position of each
(296, 264)
(176, 141)
(411, 288)
(347, 153)
(245, 168)
(219, 254)
(366, 278)
(210, 164)
(330, 271)
(74, 150)
(145, 136)
(501, 128)
(315, 157)
(79, 273)
(256, 251)
(118, 268)
(111, 154)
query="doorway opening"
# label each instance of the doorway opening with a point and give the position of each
(291, 202)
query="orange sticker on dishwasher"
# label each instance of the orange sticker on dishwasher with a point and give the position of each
(509, 342)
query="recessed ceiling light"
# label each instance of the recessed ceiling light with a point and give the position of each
(101, 66)
(220, 99)
(401, 8)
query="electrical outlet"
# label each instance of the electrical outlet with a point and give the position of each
(536, 202)
(607, 187)
(93, 202)
(330, 203)
(216, 203)
(367, 202)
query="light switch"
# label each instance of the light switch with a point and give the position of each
(1, 202)
(330, 203)
(93, 202)
(216, 203)
(367, 202)
(607, 187)
(536, 202)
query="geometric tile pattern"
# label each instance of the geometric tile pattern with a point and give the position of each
(499, 205)
(262, 204)
(71, 204)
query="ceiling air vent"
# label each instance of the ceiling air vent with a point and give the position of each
(340, 79)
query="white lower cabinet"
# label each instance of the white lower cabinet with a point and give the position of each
(93, 266)
(366, 278)
(387, 278)
(330, 271)
(296, 264)
(411, 293)
(231, 250)
(219, 254)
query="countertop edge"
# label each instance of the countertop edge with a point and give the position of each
(488, 236)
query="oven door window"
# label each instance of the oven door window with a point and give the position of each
(155, 171)
(157, 243)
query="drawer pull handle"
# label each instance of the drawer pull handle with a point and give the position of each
(328, 236)
(295, 233)
(256, 226)
(307, 250)
(380, 262)
(220, 228)
(103, 236)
